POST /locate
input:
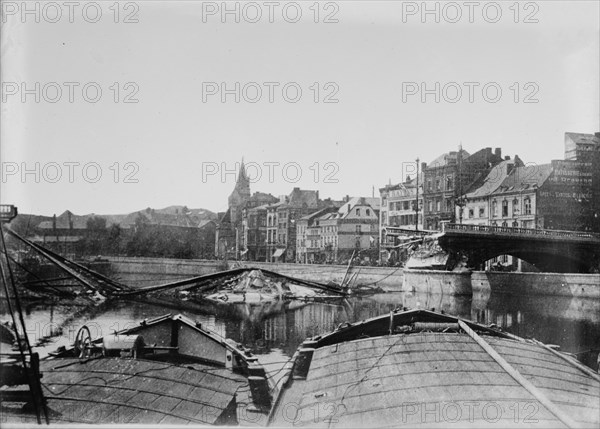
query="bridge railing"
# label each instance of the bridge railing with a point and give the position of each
(520, 231)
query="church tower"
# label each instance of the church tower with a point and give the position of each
(239, 196)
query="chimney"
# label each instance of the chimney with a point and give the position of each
(518, 161)
(498, 152)
(507, 157)
(347, 198)
(54, 223)
(317, 196)
(423, 166)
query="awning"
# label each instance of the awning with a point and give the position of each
(278, 253)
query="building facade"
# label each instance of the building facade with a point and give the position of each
(399, 217)
(337, 235)
(449, 177)
(254, 227)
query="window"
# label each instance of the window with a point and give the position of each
(515, 206)
(504, 208)
(527, 206)
(494, 208)
(358, 229)
(481, 211)
(449, 183)
(429, 185)
(357, 212)
(515, 224)
(368, 212)
(438, 184)
(430, 206)
(448, 205)
(405, 205)
(438, 205)
(504, 223)
(471, 213)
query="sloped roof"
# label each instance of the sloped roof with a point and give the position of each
(583, 138)
(141, 390)
(493, 180)
(322, 213)
(522, 178)
(375, 204)
(373, 379)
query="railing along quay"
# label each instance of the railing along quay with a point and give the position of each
(520, 231)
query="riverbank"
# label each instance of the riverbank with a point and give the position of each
(140, 272)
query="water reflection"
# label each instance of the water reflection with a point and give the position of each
(275, 330)
(572, 323)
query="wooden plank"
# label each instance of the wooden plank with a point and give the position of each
(543, 399)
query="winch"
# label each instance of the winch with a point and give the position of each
(122, 345)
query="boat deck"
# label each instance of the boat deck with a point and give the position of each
(435, 380)
(138, 391)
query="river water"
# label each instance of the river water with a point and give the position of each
(274, 331)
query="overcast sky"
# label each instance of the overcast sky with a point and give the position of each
(372, 61)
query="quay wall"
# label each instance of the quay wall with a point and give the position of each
(437, 282)
(139, 271)
(556, 284)
(147, 271)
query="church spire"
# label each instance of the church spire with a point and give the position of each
(242, 182)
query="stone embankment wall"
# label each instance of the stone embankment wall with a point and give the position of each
(557, 284)
(147, 271)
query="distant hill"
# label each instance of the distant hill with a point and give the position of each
(177, 215)
(23, 224)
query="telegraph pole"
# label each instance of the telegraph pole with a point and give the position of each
(460, 201)
(417, 200)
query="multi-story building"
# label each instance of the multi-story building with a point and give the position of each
(308, 235)
(477, 209)
(254, 227)
(353, 229)
(448, 177)
(281, 223)
(399, 216)
(585, 150)
(558, 195)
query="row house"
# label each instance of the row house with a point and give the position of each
(308, 235)
(509, 196)
(254, 227)
(558, 195)
(334, 236)
(281, 223)
(477, 210)
(448, 177)
(399, 216)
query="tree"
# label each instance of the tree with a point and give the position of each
(96, 234)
